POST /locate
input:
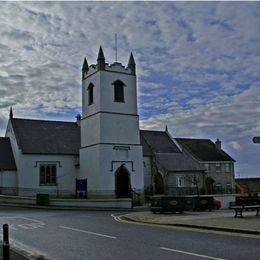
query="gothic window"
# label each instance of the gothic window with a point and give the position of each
(90, 94)
(48, 174)
(119, 91)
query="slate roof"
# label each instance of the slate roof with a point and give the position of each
(147, 150)
(47, 137)
(179, 162)
(159, 142)
(203, 149)
(7, 161)
(166, 152)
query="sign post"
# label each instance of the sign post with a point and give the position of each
(6, 247)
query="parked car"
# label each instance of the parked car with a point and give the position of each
(216, 203)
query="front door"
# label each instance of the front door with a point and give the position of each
(122, 183)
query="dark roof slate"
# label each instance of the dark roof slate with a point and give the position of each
(7, 161)
(203, 149)
(47, 137)
(159, 142)
(147, 151)
(179, 162)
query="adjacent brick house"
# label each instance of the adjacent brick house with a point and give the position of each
(168, 170)
(218, 165)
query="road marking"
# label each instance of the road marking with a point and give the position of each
(33, 223)
(87, 232)
(190, 253)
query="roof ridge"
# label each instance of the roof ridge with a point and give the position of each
(42, 120)
(156, 131)
(202, 139)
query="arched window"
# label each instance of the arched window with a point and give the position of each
(48, 174)
(119, 91)
(90, 94)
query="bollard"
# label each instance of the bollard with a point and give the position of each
(6, 247)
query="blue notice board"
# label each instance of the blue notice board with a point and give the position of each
(81, 186)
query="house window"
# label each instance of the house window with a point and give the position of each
(180, 181)
(48, 174)
(119, 91)
(228, 188)
(218, 167)
(194, 181)
(218, 187)
(90, 94)
(206, 166)
(227, 167)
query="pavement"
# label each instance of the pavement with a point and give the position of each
(222, 220)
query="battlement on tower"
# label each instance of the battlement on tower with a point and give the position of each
(114, 67)
(103, 66)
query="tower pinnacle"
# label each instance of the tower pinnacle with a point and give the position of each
(131, 64)
(85, 67)
(101, 59)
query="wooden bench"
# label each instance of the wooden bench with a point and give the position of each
(239, 209)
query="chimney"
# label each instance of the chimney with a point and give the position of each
(78, 117)
(11, 113)
(218, 144)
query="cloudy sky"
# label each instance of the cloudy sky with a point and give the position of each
(198, 65)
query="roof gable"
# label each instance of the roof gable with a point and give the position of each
(7, 161)
(46, 137)
(203, 149)
(159, 142)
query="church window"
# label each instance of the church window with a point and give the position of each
(119, 91)
(48, 174)
(90, 94)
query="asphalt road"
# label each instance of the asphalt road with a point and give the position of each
(58, 234)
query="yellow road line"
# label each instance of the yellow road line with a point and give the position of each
(193, 229)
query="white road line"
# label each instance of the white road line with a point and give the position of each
(189, 253)
(88, 232)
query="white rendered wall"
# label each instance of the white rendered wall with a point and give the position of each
(29, 173)
(102, 164)
(104, 93)
(110, 132)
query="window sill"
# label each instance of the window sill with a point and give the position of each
(48, 184)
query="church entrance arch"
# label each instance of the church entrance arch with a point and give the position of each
(158, 184)
(122, 182)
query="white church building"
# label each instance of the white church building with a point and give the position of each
(105, 146)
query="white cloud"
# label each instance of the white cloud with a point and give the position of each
(197, 62)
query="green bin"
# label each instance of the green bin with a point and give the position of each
(43, 199)
(167, 204)
(199, 203)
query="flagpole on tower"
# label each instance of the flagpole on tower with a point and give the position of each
(116, 45)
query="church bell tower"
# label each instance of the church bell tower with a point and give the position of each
(111, 155)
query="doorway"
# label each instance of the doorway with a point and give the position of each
(158, 184)
(122, 185)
